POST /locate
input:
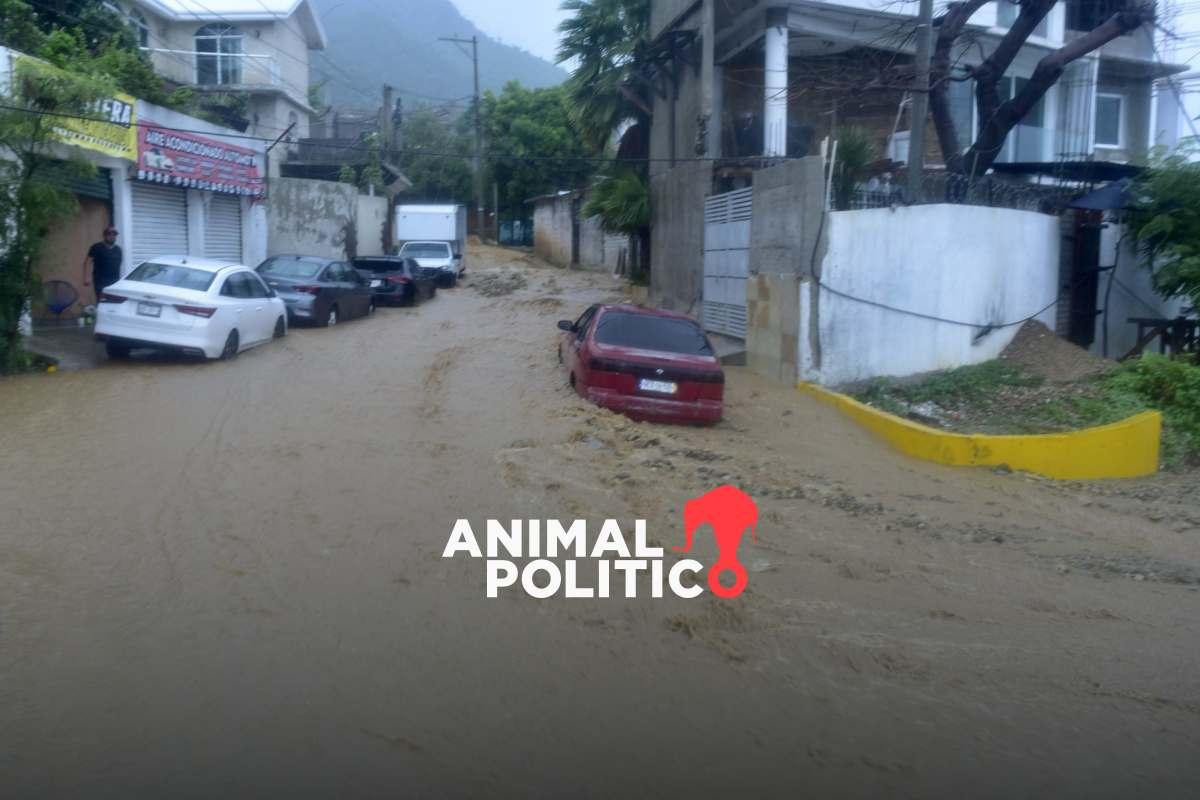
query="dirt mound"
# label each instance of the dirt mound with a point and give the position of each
(1038, 351)
(497, 284)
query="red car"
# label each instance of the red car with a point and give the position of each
(644, 363)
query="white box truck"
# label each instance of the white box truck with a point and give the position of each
(436, 236)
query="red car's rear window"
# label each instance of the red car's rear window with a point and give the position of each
(648, 332)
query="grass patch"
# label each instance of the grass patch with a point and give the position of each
(999, 398)
(973, 383)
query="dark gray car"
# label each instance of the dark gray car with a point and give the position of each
(318, 290)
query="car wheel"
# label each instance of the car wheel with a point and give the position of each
(280, 328)
(453, 281)
(371, 308)
(230, 350)
(332, 319)
(116, 351)
(560, 352)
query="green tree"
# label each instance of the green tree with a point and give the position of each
(622, 202)
(532, 124)
(29, 204)
(88, 37)
(1166, 223)
(19, 27)
(856, 150)
(607, 39)
(436, 157)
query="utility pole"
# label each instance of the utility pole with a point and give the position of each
(386, 130)
(919, 109)
(477, 165)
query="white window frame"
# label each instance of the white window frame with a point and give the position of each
(1120, 145)
(228, 32)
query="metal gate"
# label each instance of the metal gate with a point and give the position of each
(223, 233)
(727, 261)
(159, 222)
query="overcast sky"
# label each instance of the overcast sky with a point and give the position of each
(531, 24)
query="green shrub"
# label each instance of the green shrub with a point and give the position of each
(1171, 386)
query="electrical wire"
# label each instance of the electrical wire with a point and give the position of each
(413, 152)
(935, 318)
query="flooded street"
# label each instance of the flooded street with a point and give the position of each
(225, 580)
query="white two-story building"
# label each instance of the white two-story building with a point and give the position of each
(256, 47)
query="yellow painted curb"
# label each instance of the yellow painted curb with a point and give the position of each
(1125, 449)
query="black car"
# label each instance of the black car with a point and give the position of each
(319, 290)
(397, 280)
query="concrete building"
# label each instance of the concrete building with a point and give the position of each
(741, 239)
(256, 47)
(170, 183)
(563, 236)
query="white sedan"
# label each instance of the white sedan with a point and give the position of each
(191, 305)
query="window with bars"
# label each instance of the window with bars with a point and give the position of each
(218, 55)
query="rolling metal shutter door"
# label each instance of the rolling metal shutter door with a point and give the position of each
(159, 222)
(223, 231)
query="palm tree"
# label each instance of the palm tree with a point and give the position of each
(606, 39)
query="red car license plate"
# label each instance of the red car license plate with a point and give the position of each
(661, 387)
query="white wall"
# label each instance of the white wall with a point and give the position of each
(370, 220)
(1132, 294)
(966, 263)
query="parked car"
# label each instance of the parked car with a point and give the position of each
(190, 305)
(318, 290)
(439, 256)
(396, 280)
(644, 363)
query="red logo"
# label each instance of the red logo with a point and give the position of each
(729, 511)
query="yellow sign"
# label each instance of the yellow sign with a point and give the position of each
(116, 136)
(110, 127)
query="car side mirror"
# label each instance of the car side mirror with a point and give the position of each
(566, 325)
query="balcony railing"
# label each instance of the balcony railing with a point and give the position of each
(224, 69)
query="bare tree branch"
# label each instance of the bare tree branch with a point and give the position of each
(996, 126)
(949, 28)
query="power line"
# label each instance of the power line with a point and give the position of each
(413, 152)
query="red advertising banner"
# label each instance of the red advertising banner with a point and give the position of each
(173, 158)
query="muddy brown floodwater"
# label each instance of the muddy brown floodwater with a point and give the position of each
(224, 580)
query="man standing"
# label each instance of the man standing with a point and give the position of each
(106, 258)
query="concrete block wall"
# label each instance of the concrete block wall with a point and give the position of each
(677, 236)
(553, 223)
(312, 218)
(552, 230)
(773, 325)
(789, 200)
(371, 216)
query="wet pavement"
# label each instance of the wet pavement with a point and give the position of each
(225, 580)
